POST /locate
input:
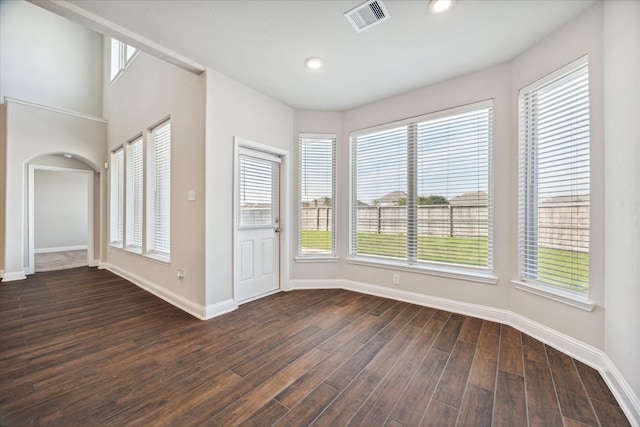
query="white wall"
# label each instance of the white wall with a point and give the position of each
(331, 123)
(609, 33)
(480, 86)
(149, 91)
(60, 209)
(622, 184)
(235, 110)
(33, 131)
(582, 36)
(49, 60)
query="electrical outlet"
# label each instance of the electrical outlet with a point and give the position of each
(396, 279)
(180, 275)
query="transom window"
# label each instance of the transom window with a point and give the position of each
(121, 56)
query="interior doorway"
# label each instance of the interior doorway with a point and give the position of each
(60, 218)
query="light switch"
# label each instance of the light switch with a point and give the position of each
(191, 195)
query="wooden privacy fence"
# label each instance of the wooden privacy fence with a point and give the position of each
(560, 226)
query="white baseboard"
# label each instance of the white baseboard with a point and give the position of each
(589, 355)
(95, 263)
(185, 304)
(59, 249)
(10, 276)
(219, 308)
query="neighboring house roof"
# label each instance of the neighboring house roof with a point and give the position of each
(471, 198)
(566, 200)
(391, 198)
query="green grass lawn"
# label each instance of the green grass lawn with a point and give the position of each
(560, 267)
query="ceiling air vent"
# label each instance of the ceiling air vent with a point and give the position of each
(367, 15)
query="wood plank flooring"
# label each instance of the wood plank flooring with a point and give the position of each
(85, 347)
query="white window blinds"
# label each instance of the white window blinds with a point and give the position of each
(317, 160)
(134, 193)
(161, 206)
(258, 192)
(421, 190)
(554, 179)
(116, 214)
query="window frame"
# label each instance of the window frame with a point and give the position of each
(152, 199)
(328, 138)
(458, 271)
(116, 199)
(528, 159)
(123, 58)
(134, 208)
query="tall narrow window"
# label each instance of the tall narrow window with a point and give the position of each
(317, 195)
(116, 213)
(159, 193)
(554, 180)
(134, 195)
(421, 190)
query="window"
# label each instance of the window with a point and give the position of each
(317, 195)
(554, 180)
(121, 56)
(117, 198)
(421, 190)
(134, 204)
(258, 191)
(159, 194)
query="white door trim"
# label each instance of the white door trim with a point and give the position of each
(30, 268)
(240, 144)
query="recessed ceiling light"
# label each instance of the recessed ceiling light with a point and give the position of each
(314, 63)
(67, 155)
(439, 6)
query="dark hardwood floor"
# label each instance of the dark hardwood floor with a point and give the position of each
(85, 347)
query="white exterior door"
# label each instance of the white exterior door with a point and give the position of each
(257, 236)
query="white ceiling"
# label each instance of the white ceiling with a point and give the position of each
(264, 44)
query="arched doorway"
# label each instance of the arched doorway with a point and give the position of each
(61, 213)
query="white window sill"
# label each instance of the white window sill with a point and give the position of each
(116, 245)
(311, 258)
(133, 250)
(451, 273)
(565, 297)
(162, 259)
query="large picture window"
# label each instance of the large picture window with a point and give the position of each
(421, 190)
(317, 160)
(554, 180)
(159, 193)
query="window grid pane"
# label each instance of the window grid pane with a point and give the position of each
(554, 178)
(317, 196)
(453, 188)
